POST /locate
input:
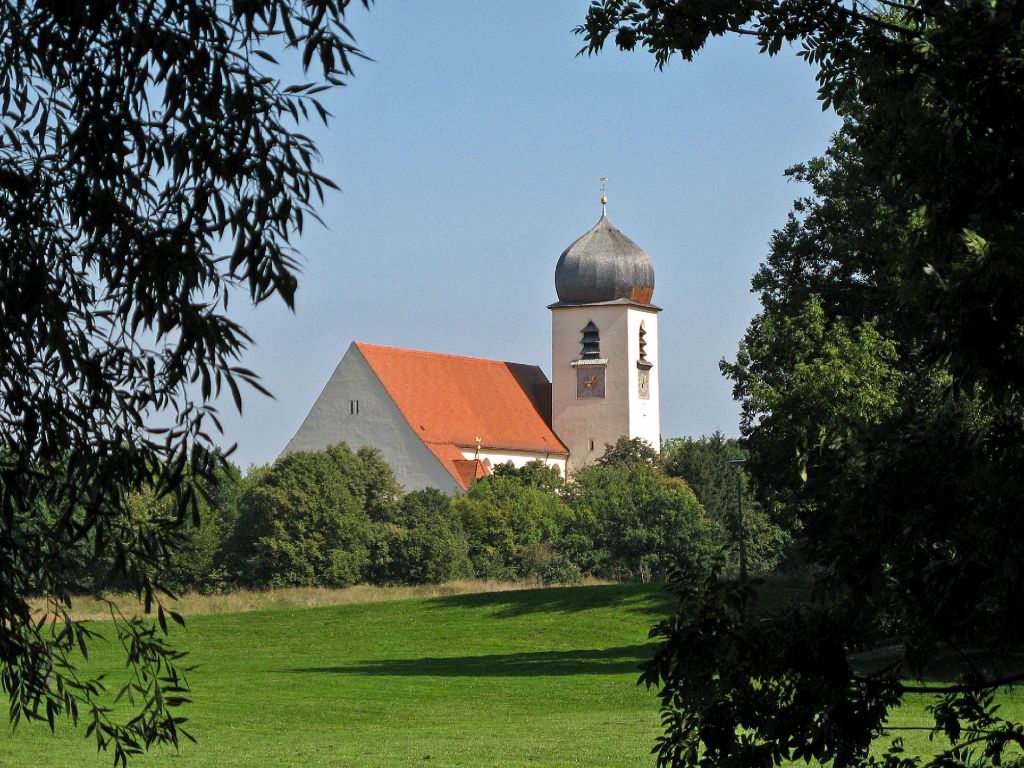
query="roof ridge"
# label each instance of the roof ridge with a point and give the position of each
(426, 353)
(496, 446)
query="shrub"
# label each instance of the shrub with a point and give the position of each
(633, 522)
(425, 543)
(550, 566)
(305, 522)
(504, 517)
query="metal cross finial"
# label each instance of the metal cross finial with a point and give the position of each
(604, 193)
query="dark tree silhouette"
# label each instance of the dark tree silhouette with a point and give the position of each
(882, 388)
(151, 166)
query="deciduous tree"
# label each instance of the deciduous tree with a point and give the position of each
(630, 450)
(151, 167)
(882, 389)
(425, 541)
(634, 522)
(720, 487)
(310, 520)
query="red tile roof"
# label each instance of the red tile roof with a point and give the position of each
(453, 402)
(464, 470)
(469, 470)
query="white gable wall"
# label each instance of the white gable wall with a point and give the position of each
(378, 424)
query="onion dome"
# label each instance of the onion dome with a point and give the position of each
(604, 265)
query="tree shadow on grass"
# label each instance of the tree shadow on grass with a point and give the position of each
(607, 661)
(644, 599)
(945, 666)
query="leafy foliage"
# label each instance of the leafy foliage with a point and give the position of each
(149, 168)
(307, 521)
(507, 519)
(628, 450)
(881, 384)
(197, 562)
(336, 517)
(633, 522)
(535, 474)
(425, 542)
(736, 692)
(857, 434)
(745, 685)
(703, 463)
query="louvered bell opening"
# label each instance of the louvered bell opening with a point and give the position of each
(643, 341)
(591, 342)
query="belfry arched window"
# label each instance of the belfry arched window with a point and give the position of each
(591, 342)
(643, 342)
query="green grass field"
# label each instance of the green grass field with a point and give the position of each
(528, 678)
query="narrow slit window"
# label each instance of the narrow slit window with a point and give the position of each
(353, 407)
(591, 444)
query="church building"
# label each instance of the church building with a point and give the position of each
(443, 421)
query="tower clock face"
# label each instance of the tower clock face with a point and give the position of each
(589, 381)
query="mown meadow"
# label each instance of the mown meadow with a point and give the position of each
(538, 677)
(542, 677)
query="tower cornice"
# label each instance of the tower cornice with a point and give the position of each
(612, 303)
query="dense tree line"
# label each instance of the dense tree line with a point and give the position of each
(338, 517)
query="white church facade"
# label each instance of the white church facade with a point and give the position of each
(443, 421)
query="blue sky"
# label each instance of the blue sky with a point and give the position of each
(469, 152)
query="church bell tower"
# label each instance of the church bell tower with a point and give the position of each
(604, 345)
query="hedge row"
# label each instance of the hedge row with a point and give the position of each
(338, 517)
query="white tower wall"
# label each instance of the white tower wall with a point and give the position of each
(587, 424)
(644, 414)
